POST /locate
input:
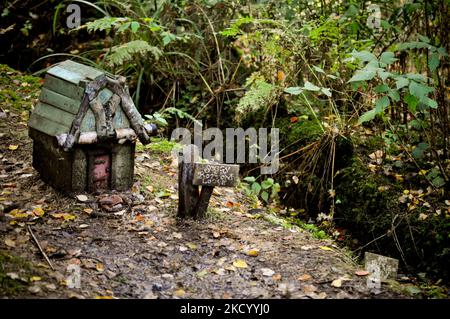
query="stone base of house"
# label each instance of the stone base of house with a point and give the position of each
(91, 168)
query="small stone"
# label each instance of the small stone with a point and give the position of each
(34, 289)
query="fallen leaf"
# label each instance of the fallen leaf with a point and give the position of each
(230, 268)
(239, 263)
(253, 252)
(294, 119)
(12, 275)
(309, 288)
(177, 235)
(191, 246)
(267, 272)
(325, 248)
(104, 297)
(34, 289)
(13, 147)
(304, 277)
(64, 216)
(149, 188)
(82, 226)
(35, 278)
(202, 273)
(216, 234)
(179, 293)
(9, 242)
(361, 273)
(38, 211)
(100, 267)
(88, 210)
(219, 271)
(276, 277)
(82, 198)
(337, 283)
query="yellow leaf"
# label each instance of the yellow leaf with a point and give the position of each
(325, 248)
(253, 252)
(202, 273)
(35, 278)
(64, 216)
(88, 210)
(191, 246)
(239, 263)
(337, 283)
(179, 293)
(104, 297)
(38, 211)
(9, 242)
(13, 147)
(304, 277)
(100, 267)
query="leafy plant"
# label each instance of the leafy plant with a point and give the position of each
(266, 190)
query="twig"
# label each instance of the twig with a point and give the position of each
(40, 248)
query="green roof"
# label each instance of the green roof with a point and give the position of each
(61, 97)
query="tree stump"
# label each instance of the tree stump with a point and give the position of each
(191, 174)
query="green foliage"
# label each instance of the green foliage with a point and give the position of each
(266, 190)
(123, 53)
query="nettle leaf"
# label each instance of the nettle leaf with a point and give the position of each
(265, 196)
(419, 90)
(429, 102)
(441, 51)
(250, 179)
(412, 102)
(434, 61)
(401, 83)
(388, 58)
(267, 183)
(424, 38)
(326, 91)
(317, 69)
(394, 95)
(382, 88)
(134, 26)
(382, 103)
(384, 74)
(364, 56)
(416, 77)
(362, 75)
(256, 188)
(418, 151)
(311, 87)
(294, 90)
(367, 116)
(412, 45)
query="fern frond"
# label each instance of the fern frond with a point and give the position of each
(104, 24)
(125, 52)
(260, 95)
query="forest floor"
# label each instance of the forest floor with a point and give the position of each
(132, 245)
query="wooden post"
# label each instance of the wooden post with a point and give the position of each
(191, 175)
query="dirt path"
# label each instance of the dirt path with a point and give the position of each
(131, 245)
(141, 250)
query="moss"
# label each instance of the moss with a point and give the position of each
(10, 264)
(18, 92)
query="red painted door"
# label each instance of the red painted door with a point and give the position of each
(100, 171)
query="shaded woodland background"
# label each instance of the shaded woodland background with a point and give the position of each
(362, 111)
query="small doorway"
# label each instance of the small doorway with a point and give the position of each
(99, 171)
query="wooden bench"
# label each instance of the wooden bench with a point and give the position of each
(193, 202)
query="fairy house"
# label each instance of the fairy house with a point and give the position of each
(84, 130)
